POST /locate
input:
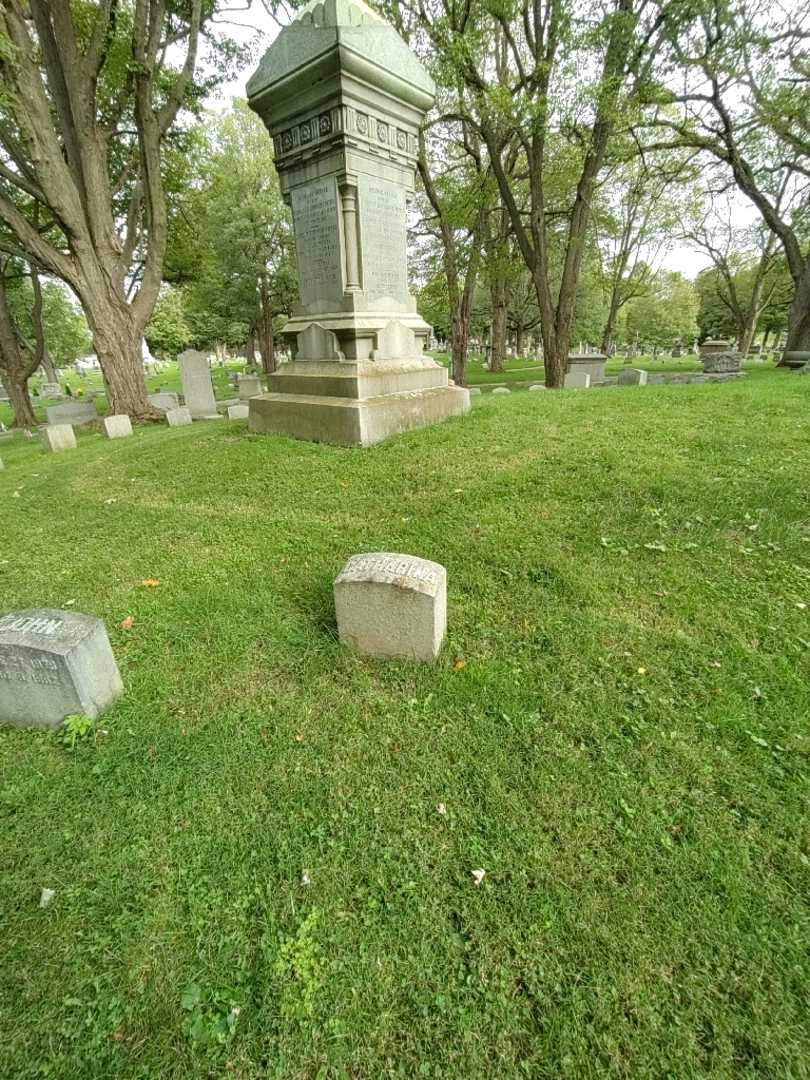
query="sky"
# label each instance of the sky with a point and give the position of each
(257, 26)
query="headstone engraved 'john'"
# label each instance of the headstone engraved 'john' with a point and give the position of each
(391, 605)
(343, 97)
(52, 664)
(198, 389)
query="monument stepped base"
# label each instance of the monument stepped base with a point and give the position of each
(345, 421)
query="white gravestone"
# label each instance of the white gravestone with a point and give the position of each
(501, 390)
(178, 417)
(56, 437)
(54, 664)
(474, 391)
(392, 606)
(198, 390)
(238, 412)
(537, 386)
(632, 377)
(577, 380)
(117, 427)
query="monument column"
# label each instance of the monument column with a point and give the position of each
(343, 96)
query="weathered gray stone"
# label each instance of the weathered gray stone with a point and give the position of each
(343, 97)
(50, 390)
(713, 345)
(198, 389)
(164, 400)
(537, 386)
(591, 363)
(392, 605)
(53, 664)
(632, 377)
(249, 386)
(56, 437)
(117, 427)
(721, 362)
(238, 412)
(178, 417)
(72, 412)
(474, 391)
(577, 380)
(501, 390)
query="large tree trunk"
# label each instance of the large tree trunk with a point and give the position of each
(16, 384)
(798, 335)
(519, 332)
(47, 364)
(117, 342)
(500, 308)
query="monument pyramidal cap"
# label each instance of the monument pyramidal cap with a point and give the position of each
(343, 97)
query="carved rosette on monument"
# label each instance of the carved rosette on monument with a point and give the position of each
(343, 97)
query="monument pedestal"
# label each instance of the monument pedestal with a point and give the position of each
(343, 97)
(355, 403)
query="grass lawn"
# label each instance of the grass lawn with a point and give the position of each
(252, 876)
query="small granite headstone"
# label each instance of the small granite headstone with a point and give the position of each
(53, 664)
(178, 417)
(238, 412)
(632, 377)
(164, 400)
(577, 380)
(72, 412)
(198, 389)
(117, 427)
(501, 390)
(50, 389)
(475, 390)
(392, 606)
(56, 437)
(537, 386)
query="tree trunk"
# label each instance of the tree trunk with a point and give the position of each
(47, 363)
(16, 385)
(250, 349)
(459, 346)
(519, 341)
(500, 307)
(266, 329)
(118, 347)
(765, 337)
(610, 324)
(798, 335)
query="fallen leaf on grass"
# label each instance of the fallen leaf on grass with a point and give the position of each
(459, 665)
(150, 582)
(126, 624)
(478, 876)
(305, 878)
(441, 809)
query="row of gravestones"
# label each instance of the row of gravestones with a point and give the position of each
(55, 664)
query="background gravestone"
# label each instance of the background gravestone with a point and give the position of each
(118, 426)
(198, 389)
(57, 437)
(52, 664)
(343, 97)
(72, 412)
(249, 386)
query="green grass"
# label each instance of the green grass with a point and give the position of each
(624, 751)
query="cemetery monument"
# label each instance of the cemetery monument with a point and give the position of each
(343, 96)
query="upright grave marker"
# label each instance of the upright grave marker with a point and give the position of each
(343, 97)
(392, 606)
(198, 389)
(52, 664)
(56, 437)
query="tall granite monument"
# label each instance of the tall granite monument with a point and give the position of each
(343, 97)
